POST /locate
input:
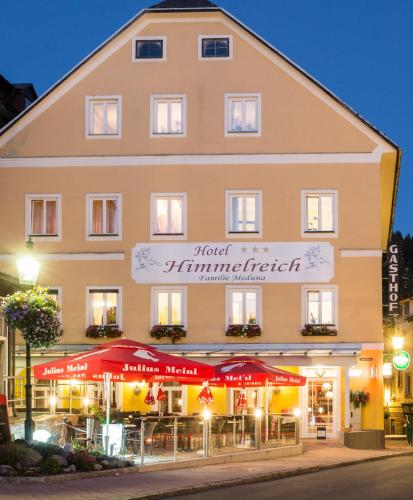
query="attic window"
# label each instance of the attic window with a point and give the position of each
(149, 49)
(215, 47)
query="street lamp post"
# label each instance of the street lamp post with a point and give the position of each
(28, 268)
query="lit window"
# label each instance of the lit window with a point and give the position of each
(243, 212)
(168, 215)
(243, 306)
(215, 47)
(43, 216)
(169, 306)
(103, 117)
(320, 305)
(104, 306)
(149, 49)
(103, 216)
(168, 115)
(319, 212)
(243, 114)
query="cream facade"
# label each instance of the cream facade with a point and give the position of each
(161, 137)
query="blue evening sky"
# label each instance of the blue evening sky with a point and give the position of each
(360, 49)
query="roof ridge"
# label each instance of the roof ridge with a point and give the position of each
(183, 4)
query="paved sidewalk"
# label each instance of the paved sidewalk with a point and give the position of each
(147, 484)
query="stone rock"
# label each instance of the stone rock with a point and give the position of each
(30, 458)
(97, 467)
(60, 460)
(105, 463)
(7, 470)
(72, 467)
(68, 448)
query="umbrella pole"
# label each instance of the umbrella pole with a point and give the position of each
(106, 382)
(242, 427)
(266, 411)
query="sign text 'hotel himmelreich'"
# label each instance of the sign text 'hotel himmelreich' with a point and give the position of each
(232, 262)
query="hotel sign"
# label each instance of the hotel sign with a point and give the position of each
(233, 262)
(393, 281)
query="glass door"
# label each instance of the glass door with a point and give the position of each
(320, 404)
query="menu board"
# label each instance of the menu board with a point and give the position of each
(5, 435)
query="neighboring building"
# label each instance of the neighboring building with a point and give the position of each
(14, 98)
(398, 383)
(188, 135)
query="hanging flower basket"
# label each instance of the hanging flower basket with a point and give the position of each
(318, 331)
(248, 331)
(36, 314)
(359, 398)
(174, 332)
(103, 332)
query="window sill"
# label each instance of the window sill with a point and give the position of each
(44, 237)
(103, 237)
(319, 234)
(160, 135)
(103, 136)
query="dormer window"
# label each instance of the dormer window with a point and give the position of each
(149, 48)
(215, 47)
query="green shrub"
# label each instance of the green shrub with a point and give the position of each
(49, 466)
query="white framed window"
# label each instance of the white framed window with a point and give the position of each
(168, 115)
(169, 306)
(176, 398)
(242, 115)
(149, 48)
(320, 305)
(243, 305)
(103, 117)
(168, 216)
(103, 216)
(56, 292)
(215, 47)
(43, 214)
(319, 213)
(243, 214)
(104, 306)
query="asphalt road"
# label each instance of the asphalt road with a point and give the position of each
(389, 479)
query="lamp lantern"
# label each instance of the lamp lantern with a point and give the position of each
(397, 342)
(28, 266)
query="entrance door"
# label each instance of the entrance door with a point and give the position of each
(320, 401)
(174, 401)
(253, 396)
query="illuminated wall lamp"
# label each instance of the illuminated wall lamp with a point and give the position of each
(387, 370)
(397, 342)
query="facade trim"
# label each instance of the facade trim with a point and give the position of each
(361, 253)
(214, 159)
(70, 256)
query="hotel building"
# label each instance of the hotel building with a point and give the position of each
(188, 174)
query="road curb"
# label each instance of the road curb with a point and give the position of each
(266, 476)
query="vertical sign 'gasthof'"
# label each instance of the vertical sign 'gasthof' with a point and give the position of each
(393, 282)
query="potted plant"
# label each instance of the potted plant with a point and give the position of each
(103, 331)
(173, 332)
(316, 330)
(249, 330)
(359, 398)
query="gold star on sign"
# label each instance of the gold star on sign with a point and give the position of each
(255, 249)
(266, 249)
(243, 249)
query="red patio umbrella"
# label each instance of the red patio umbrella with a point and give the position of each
(126, 361)
(243, 371)
(161, 396)
(242, 401)
(149, 398)
(205, 396)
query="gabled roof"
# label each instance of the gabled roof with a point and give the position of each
(199, 6)
(184, 4)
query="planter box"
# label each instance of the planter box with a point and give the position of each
(319, 331)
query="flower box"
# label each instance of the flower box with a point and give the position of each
(174, 332)
(319, 331)
(243, 331)
(103, 331)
